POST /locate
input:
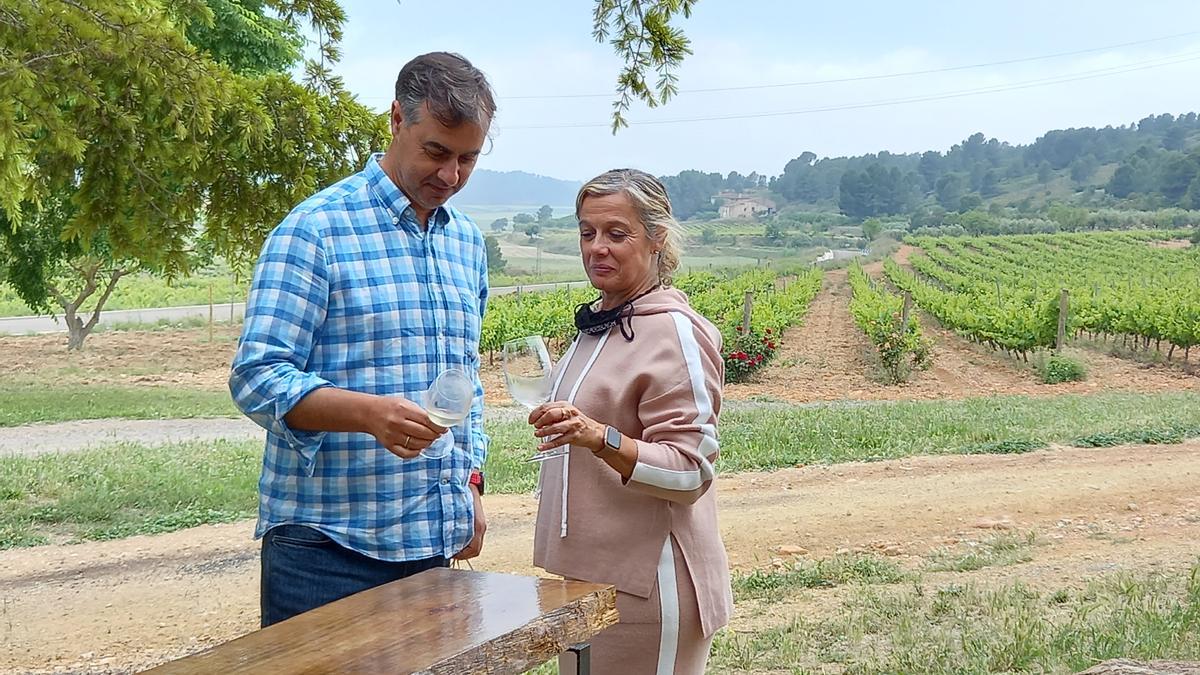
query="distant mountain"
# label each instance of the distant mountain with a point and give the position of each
(487, 188)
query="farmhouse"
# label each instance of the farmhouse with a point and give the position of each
(741, 205)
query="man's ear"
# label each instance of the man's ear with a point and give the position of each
(396, 117)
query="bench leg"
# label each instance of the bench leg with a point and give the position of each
(583, 658)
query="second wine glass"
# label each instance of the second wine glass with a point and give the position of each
(528, 374)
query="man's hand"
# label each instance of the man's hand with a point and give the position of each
(476, 546)
(402, 426)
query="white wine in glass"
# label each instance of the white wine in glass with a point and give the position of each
(528, 374)
(447, 402)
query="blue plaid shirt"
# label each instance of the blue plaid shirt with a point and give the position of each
(350, 292)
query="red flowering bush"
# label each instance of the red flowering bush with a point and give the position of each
(746, 352)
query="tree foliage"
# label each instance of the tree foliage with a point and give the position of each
(642, 36)
(125, 124)
(495, 258)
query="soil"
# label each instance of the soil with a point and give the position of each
(122, 605)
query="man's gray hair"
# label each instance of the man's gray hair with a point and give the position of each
(455, 90)
(650, 201)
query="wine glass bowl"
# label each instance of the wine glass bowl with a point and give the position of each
(528, 374)
(447, 402)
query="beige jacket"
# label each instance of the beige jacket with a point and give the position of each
(662, 389)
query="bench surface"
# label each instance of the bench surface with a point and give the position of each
(438, 621)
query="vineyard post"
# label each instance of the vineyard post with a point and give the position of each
(906, 313)
(747, 306)
(210, 311)
(1064, 303)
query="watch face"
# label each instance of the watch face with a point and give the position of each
(612, 438)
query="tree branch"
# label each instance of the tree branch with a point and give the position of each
(42, 57)
(113, 278)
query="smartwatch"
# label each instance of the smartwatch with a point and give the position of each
(612, 438)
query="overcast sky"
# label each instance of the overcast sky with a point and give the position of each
(544, 48)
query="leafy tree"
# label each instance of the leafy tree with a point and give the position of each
(877, 191)
(532, 230)
(708, 236)
(124, 124)
(1068, 217)
(523, 219)
(1175, 138)
(1177, 175)
(976, 222)
(1083, 167)
(989, 185)
(692, 192)
(927, 217)
(1123, 182)
(872, 227)
(499, 224)
(949, 191)
(495, 258)
(545, 214)
(1045, 172)
(773, 231)
(969, 202)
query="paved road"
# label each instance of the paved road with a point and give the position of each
(23, 325)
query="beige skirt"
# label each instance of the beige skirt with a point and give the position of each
(659, 635)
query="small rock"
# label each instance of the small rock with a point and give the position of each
(892, 550)
(993, 524)
(842, 551)
(1131, 506)
(791, 549)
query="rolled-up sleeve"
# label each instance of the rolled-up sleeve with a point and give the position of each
(679, 443)
(479, 438)
(288, 299)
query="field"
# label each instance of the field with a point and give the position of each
(968, 517)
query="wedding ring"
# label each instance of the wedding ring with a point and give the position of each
(406, 441)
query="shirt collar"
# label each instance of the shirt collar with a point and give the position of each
(394, 199)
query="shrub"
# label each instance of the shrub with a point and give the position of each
(1058, 369)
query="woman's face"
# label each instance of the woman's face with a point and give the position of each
(618, 253)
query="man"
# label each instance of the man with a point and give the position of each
(361, 296)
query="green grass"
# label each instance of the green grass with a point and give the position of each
(1001, 550)
(50, 497)
(774, 584)
(969, 629)
(125, 489)
(28, 403)
(779, 436)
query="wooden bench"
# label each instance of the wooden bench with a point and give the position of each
(440, 621)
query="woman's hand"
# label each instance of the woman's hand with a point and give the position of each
(561, 423)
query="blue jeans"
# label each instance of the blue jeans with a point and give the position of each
(303, 569)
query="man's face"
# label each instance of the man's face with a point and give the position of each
(432, 159)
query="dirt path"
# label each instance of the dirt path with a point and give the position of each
(114, 606)
(36, 439)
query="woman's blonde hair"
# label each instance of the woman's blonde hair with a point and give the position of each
(649, 198)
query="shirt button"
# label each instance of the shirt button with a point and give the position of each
(395, 220)
(445, 481)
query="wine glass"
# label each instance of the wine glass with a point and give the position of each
(528, 374)
(447, 402)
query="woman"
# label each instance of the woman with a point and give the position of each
(636, 398)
